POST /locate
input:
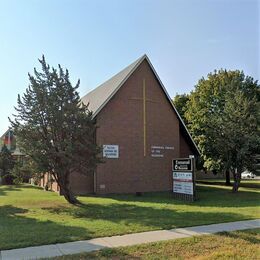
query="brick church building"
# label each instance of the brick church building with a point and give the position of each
(140, 132)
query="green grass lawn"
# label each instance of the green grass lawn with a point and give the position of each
(226, 245)
(31, 216)
(252, 183)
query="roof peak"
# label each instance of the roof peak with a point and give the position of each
(99, 96)
(141, 58)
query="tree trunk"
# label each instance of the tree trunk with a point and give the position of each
(237, 178)
(227, 173)
(65, 191)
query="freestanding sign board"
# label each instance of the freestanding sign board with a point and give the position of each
(183, 178)
(184, 164)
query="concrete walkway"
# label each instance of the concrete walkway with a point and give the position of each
(124, 240)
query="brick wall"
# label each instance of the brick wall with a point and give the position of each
(121, 123)
(80, 184)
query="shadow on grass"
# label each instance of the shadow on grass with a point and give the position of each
(147, 217)
(8, 188)
(221, 197)
(18, 230)
(207, 196)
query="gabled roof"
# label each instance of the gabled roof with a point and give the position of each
(5, 133)
(100, 96)
(11, 146)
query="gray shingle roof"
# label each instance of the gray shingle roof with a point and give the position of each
(98, 97)
(101, 95)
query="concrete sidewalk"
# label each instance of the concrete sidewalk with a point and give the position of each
(124, 240)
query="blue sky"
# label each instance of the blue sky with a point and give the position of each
(184, 40)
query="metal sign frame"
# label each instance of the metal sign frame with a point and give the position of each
(185, 196)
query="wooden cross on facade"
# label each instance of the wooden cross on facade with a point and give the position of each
(144, 99)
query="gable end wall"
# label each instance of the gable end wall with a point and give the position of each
(120, 122)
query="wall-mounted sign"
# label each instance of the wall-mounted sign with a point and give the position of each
(182, 164)
(110, 151)
(158, 151)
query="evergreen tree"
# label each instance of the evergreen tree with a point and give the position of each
(55, 129)
(6, 163)
(24, 170)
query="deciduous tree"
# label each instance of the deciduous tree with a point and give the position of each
(223, 117)
(180, 102)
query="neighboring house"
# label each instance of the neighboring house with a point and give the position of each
(8, 139)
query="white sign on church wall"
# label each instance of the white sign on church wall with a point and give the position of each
(111, 151)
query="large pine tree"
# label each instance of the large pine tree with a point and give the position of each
(55, 129)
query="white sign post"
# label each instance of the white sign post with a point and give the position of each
(111, 151)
